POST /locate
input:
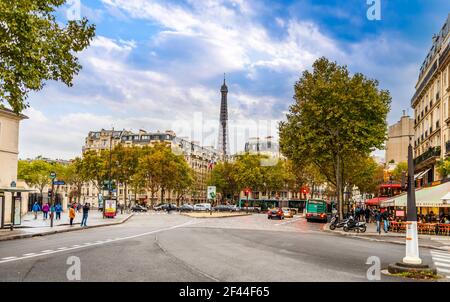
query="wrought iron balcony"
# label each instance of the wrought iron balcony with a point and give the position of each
(431, 152)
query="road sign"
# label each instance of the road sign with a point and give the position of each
(211, 192)
(52, 175)
(59, 183)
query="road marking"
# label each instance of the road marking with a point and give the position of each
(289, 221)
(29, 254)
(441, 261)
(77, 246)
(442, 264)
(62, 248)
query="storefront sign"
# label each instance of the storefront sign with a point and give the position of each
(399, 213)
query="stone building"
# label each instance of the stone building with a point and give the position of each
(398, 140)
(431, 103)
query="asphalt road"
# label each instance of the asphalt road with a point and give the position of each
(177, 248)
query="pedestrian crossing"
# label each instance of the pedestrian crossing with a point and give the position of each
(441, 260)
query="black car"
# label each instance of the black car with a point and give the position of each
(138, 208)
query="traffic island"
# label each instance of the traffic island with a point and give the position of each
(412, 271)
(214, 214)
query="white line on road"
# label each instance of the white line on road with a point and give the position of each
(74, 247)
(289, 221)
(443, 254)
(441, 264)
(441, 259)
(29, 254)
(441, 270)
(62, 248)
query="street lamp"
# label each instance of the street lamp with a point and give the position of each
(411, 262)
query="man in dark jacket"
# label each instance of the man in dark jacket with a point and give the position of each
(367, 214)
(377, 217)
(385, 218)
(86, 209)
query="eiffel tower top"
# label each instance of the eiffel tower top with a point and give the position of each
(224, 87)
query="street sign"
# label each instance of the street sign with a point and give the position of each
(59, 183)
(211, 192)
(52, 175)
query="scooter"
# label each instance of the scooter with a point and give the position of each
(336, 223)
(352, 224)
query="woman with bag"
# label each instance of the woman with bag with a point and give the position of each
(71, 215)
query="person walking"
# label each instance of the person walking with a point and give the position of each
(58, 210)
(45, 209)
(36, 208)
(367, 214)
(377, 217)
(385, 218)
(86, 209)
(71, 215)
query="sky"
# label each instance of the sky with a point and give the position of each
(158, 65)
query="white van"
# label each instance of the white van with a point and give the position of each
(202, 207)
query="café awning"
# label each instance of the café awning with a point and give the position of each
(374, 201)
(421, 174)
(426, 197)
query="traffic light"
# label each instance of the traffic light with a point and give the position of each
(247, 191)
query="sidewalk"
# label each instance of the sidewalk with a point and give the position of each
(426, 241)
(31, 227)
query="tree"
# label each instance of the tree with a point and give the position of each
(443, 167)
(35, 48)
(124, 165)
(75, 174)
(335, 116)
(365, 174)
(95, 167)
(35, 173)
(222, 176)
(401, 168)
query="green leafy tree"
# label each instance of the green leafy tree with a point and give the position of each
(124, 165)
(36, 173)
(397, 174)
(35, 48)
(335, 116)
(75, 174)
(95, 167)
(443, 167)
(222, 176)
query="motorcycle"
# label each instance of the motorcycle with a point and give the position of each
(352, 224)
(336, 223)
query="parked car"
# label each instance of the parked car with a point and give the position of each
(186, 208)
(138, 208)
(275, 213)
(234, 208)
(288, 213)
(165, 206)
(222, 208)
(202, 207)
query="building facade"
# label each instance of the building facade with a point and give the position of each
(431, 103)
(398, 140)
(11, 199)
(200, 159)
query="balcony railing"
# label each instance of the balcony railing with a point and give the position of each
(447, 147)
(431, 152)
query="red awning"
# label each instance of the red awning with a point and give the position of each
(374, 201)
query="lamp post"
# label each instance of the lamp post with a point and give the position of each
(411, 262)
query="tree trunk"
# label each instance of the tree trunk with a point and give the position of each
(338, 187)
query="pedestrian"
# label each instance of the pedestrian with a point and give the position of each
(71, 214)
(367, 214)
(58, 210)
(79, 207)
(86, 209)
(385, 218)
(377, 217)
(36, 208)
(45, 209)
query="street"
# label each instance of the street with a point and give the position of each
(162, 247)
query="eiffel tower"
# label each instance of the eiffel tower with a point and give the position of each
(223, 140)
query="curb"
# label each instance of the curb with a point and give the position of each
(23, 236)
(371, 238)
